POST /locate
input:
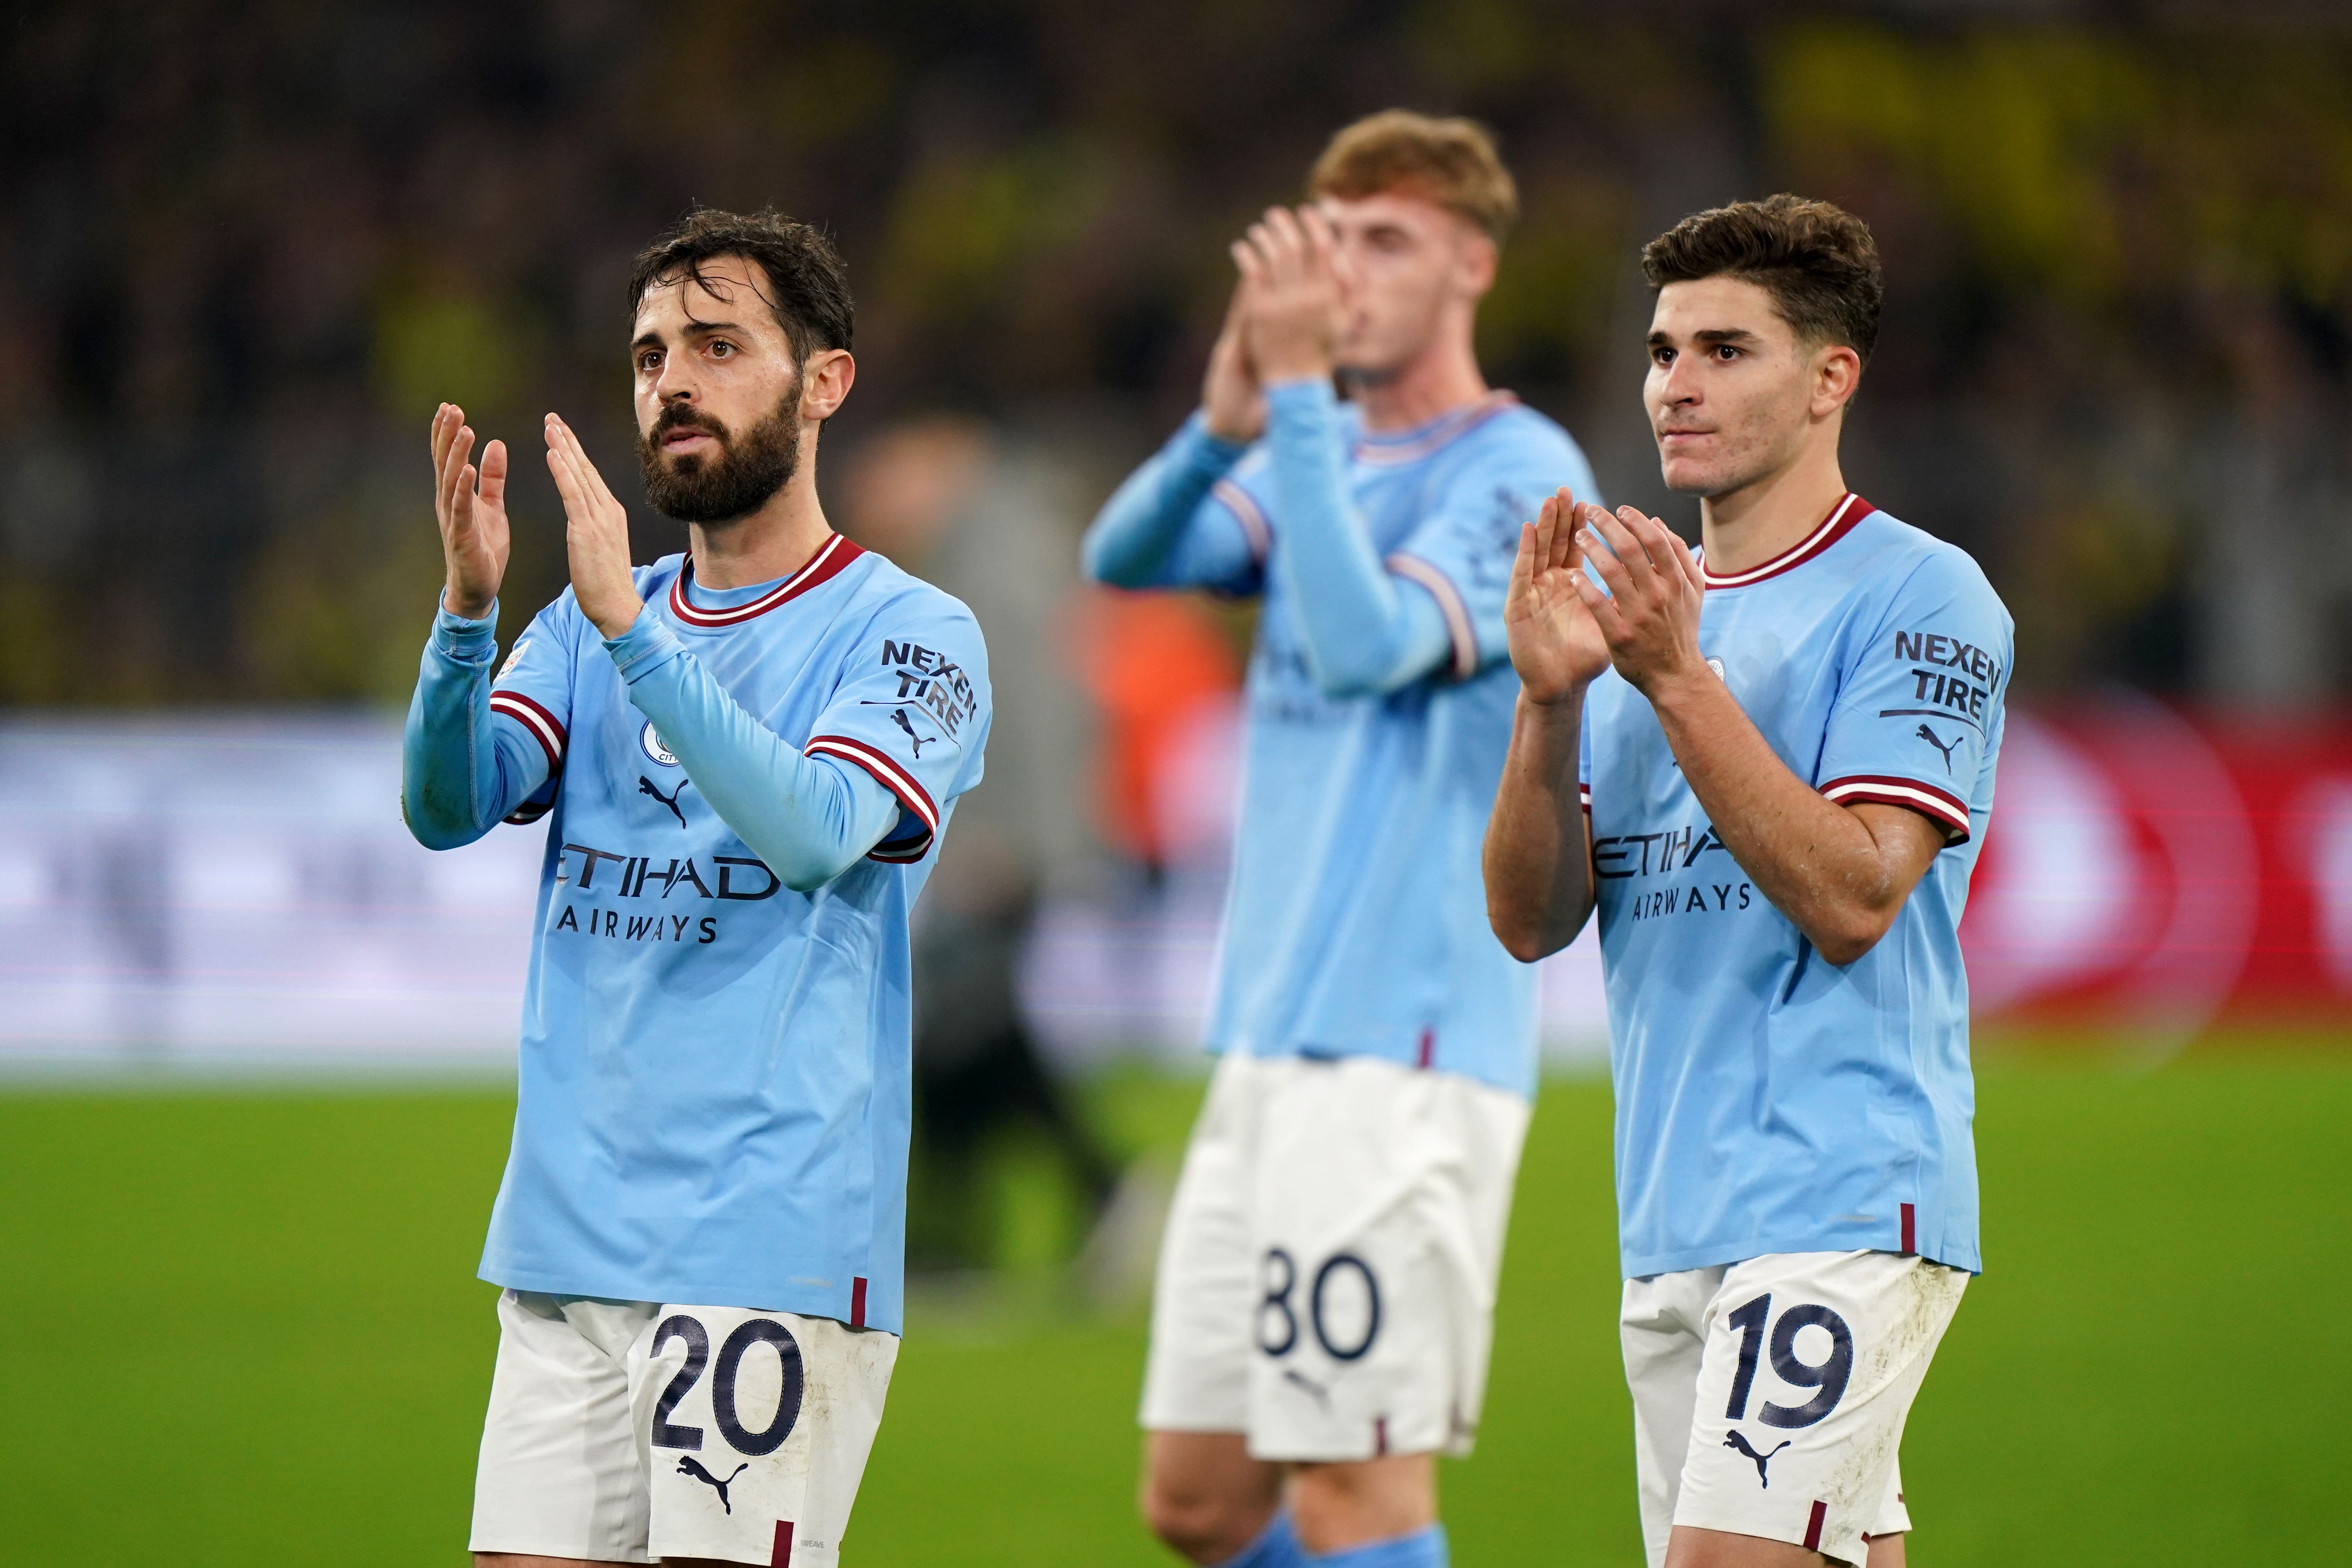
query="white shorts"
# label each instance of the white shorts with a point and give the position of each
(630, 1431)
(1327, 1284)
(1770, 1396)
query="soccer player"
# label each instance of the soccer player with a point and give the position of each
(1323, 1312)
(1786, 745)
(746, 755)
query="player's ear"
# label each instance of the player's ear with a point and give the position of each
(1478, 259)
(1837, 376)
(824, 383)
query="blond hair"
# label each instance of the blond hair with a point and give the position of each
(1451, 163)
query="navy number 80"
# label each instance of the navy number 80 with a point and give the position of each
(1277, 1321)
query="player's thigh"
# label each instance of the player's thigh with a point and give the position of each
(1695, 1548)
(1810, 1365)
(1379, 1195)
(757, 1427)
(1337, 1508)
(1196, 1373)
(1204, 1495)
(1692, 1547)
(561, 1476)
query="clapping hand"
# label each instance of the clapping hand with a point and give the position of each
(1231, 399)
(1293, 298)
(596, 533)
(471, 507)
(1555, 644)
(1650, 614)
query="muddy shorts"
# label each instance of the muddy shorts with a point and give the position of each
(1770, 1396)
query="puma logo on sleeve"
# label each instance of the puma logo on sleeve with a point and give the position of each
(1930, 736)
(920, 741)
(1734, 1440)
(687, 1465)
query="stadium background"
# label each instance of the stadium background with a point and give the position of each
(255, 1046)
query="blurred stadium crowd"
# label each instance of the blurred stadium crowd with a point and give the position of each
(247, 249)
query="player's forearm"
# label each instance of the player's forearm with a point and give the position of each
(456, 783)
(1364, 633)
(1537, 860)
(808, 819)
(1816, 861)
(1130, 542)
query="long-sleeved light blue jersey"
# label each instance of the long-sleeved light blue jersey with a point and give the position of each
(1769, 1101)
(742, 793)
(1379, 710)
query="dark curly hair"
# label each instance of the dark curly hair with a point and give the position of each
(808, 286)
(1816, 259)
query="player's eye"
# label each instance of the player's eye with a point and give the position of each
(721, 347)
(1663, 356)
(1726, 353)
(649, 360)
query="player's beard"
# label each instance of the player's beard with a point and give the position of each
(735, 483)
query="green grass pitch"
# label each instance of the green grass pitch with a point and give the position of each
(242, 1327)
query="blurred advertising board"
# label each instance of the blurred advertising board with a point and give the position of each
(241, 891)
(2158, 872)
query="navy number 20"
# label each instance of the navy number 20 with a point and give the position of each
(1827, 1378)
(749, 1333)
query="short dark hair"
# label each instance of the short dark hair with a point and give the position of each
(1816, 259)
(808, 286)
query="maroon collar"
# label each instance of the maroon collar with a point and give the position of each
(1412, 446)
(1850, 510)
(836, 553)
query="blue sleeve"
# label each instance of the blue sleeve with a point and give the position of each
(808, 819)
(1363, 633)
(1919, 711)
(913, 713)
(1178, 524)
(473, 755)
(1462, 551)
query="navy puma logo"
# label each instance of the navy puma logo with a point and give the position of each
(1322, 1396)
(920, 741)
(1929, 736)
(690, 1465)
(646, 787)
(1735, 1440)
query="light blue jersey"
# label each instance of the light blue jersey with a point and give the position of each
(742, 796)
(1766, 1100)
(1356, 923)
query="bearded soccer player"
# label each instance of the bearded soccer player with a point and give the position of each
(746, 755)
(1324, 1307)
(1786, 745)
